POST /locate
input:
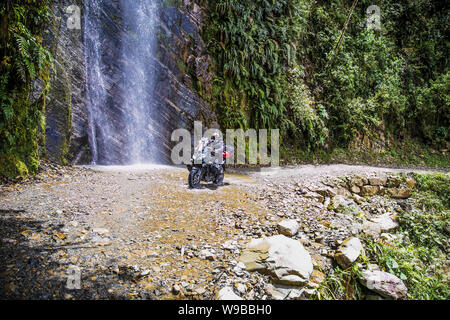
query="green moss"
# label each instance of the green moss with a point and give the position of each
(22, 123)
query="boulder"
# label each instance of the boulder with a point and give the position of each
(399, 193)
(288, 227)
(385, 284)
(227, 293)
(285, 259)
(348, 252)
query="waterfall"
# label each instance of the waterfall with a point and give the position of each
(120, 81)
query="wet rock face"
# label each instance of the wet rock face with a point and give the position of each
(66, 114)
(180, 61)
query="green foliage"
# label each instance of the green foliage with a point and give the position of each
(24, 60)
(433, 110)
(341, 285)
(276, 68)
(436, 185)
(429, 227)
(306, 121)
(253, 44)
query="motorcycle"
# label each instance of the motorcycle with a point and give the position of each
(201, 169)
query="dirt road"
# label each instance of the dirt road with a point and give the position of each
(141, 233)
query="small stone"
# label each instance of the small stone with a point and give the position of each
(241, 288)
(288, 227)
(312, 195)
(207, 254)
(227, 293)
(349, 252)
(200, 291)
(100, 231)
(145, 273)
(388, 237)
(176, 289)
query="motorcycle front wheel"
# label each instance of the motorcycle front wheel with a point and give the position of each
(195, 177)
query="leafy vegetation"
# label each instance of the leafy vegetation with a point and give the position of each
(276, 67)
(24, 60)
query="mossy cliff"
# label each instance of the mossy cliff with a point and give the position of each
(24, 83)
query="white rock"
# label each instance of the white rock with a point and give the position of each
(207, 254)
(385, 222)
(285, 259)
(288, 227)
(229, 245)
(145, 273)
(371, 229)
(100, 231)
(348, 252)
(227, 293)
(241, 288)
(278, 292)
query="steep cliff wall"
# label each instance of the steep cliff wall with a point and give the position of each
(184, 65)
(66, 113)
(181, 63)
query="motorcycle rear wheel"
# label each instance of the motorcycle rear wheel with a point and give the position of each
(195, 177)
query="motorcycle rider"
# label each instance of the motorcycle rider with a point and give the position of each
(214, 149)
